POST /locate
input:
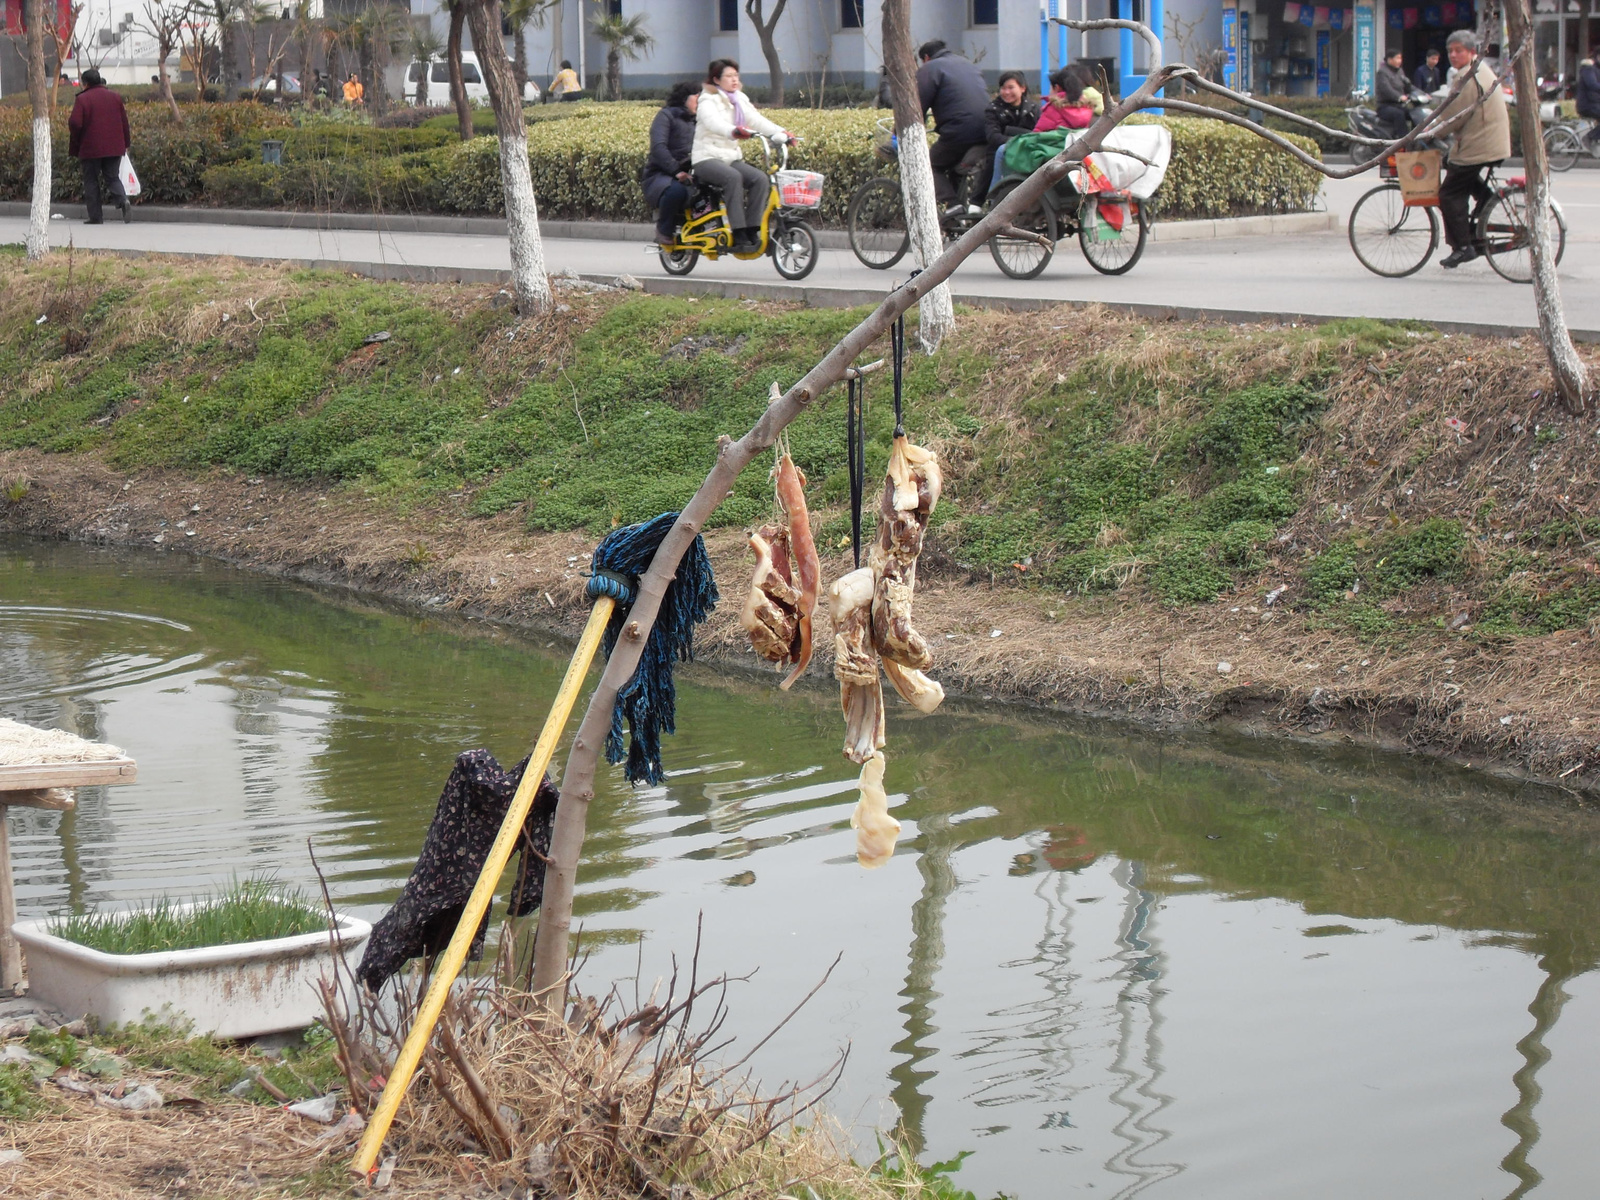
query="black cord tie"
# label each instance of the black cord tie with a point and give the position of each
(897, 342)
(856, 443)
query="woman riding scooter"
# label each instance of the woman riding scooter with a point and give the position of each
(724, 119)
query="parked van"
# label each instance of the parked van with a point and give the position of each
(439, 81)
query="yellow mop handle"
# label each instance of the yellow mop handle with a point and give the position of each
(450, 963)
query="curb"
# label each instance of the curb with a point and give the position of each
(619, 231)
(834, 297)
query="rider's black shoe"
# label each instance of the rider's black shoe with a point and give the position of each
(745, 241)
(1456, 257)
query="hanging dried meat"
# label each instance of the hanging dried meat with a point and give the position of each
(910, 492)
(790, 485)
(855, 664)
(771, 613)
(876, 830)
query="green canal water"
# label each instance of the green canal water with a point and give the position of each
(1105, 962)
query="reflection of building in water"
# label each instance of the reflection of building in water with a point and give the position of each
(1138, 1058)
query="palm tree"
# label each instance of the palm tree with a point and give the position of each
(625, 38)
(426, 45)
(520, 14)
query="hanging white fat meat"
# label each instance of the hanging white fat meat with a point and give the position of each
(855, 663)
(876, 830)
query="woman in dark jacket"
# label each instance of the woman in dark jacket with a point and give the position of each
(1008, 113)
(666, 177)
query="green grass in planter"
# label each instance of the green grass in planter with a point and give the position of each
(251, 910)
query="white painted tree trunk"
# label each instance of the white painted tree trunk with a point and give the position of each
(937, 314)
(38, 241)
(528, 277)
(1572, 381)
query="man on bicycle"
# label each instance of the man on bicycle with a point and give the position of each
(953, 89)
(1482, 128)
(1589, 98)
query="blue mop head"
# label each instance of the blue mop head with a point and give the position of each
(649, 700)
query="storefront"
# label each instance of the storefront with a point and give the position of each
(1565, 32)
(1290, 49)
(1416, 29)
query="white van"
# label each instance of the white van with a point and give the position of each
(439, 82)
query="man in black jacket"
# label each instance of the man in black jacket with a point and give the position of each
(1428, 77)
(953, 89)
(1589, 97)
(1391, 90)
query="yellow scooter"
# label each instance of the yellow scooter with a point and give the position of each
(790, 240)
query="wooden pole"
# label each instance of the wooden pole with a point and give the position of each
(10, 951)
(449, 964)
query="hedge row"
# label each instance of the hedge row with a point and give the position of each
(585, 158)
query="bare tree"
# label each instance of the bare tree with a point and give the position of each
(164, 25)
(577, 785)
(766, 30)
(38, 240)
(1572, 380)
(916, 172)
(528, 278)
(304, 32)
(60, 34)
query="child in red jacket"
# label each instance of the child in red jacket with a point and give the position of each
(1066, 106)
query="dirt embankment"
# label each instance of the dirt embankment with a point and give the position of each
(1527, 708)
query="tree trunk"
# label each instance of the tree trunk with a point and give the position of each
(422, 85)
(303, 44)
(613, 74)
(458, 86)
(766, 31)
(577, 784)
(1572, 382)
(519, 64)
(164, 78)
(38, 240)
(938, 315)
(228, 50)
(528, 278)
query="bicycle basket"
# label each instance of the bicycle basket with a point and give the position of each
(800, 189)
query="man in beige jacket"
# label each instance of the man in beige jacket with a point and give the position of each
(1482, 128)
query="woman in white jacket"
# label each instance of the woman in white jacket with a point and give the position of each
(724, 119)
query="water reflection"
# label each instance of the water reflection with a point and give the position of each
(1102, 961)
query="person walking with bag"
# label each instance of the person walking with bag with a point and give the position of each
(98, 138)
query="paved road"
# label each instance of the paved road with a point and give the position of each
(1309, 274)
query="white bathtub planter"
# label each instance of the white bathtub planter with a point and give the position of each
(232, 991)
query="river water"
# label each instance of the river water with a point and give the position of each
(1104, 962)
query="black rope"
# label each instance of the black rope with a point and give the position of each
(856, 442)
(897, 342)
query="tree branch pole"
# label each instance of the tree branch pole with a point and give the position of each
(918, 195)
(1572, 381)
(38, 239)
(528, 278)
(577, 785)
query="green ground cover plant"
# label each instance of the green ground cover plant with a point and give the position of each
(248, 910)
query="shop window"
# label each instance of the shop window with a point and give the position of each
(728, 16)
(851, 13)
(985, 12)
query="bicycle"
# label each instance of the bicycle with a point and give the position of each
(1563, 143)
(1394, 237)
(1112, 227)
(790, 241)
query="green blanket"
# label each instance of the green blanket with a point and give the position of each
(1028, 152)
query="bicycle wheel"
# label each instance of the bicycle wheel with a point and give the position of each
(1390, 239)
(1110, 251)
(794, 250)
(1506, 240)
(678, 262)
(877, 221)
(1562, 147)
(1022, 258)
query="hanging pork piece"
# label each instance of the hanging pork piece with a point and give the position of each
(790, 485)
(855, 664)
(876, 830)
(910, 492)
(771, 613)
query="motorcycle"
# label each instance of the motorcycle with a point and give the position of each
(783, 233)
(1364, 122)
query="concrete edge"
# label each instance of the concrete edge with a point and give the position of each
(614, 231)
(833, 297)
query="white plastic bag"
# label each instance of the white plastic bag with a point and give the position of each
(1125, 172)
(129, 177)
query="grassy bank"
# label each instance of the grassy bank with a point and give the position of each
(1354, 529)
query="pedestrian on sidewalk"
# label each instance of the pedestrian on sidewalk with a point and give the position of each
(1482, 128)
(98, 137)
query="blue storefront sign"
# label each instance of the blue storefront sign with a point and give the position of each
(1366, 49)
(1230, 44)
(1324, 44)
(1246, 59)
